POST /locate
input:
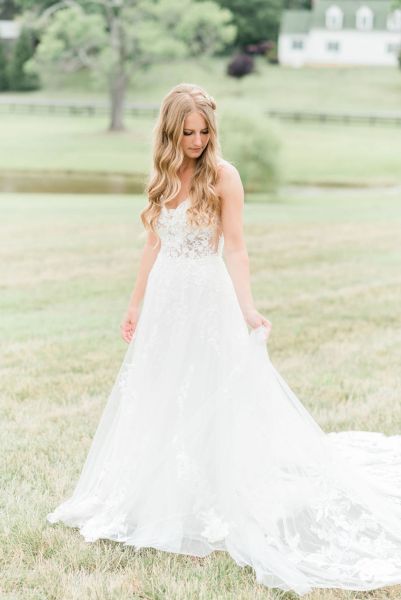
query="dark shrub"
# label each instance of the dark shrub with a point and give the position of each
(261, 48)
(240, 65)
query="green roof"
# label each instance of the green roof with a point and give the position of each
(301, 21)
(296, 21)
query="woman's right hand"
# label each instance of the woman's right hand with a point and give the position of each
(129, 323)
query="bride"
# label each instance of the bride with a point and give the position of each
(202, 446)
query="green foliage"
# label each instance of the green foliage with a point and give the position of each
(37, 5)
(205, 28)
(272, 54)
(121, 38)
(71, 40)
(19, 78)
(297, 4)
(255, 20)
(147, 32)
(142, 34)
(8, 9)
(4, 84)
(251, 144)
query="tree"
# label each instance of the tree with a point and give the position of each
(118, 38)
(3, 68)
(23, 50)
(255, 20)
(297, 4)
(8, 9)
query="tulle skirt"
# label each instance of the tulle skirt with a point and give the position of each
(202, 446)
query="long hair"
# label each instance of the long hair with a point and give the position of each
(164, 183)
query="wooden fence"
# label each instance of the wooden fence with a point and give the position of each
(88, 107)
(377, 118)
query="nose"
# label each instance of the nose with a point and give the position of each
(198, 140)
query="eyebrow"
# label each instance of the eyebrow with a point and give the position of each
(188, 129)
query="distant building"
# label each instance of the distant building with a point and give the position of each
(342, 32)
(9, 30)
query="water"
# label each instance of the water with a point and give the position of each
(87, 182)
(71, 182)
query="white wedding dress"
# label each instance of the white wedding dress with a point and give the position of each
(202, 445)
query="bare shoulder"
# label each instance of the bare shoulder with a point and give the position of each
(229, 181)
(226, 170)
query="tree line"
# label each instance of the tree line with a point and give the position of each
(255, 20)
(116, 39)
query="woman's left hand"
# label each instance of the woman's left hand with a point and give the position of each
(254, 319)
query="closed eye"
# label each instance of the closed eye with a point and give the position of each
(206, 131)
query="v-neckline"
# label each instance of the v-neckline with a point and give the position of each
(177, 207)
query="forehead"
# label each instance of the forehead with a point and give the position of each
(195, 120)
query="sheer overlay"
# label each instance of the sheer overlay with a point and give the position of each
(202, 445)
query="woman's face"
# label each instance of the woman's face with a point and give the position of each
(195, 135)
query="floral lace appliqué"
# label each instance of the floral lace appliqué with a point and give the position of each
(179, 239)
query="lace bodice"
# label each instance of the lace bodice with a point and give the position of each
(180, 239)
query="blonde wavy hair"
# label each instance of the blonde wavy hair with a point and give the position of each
(164, 183)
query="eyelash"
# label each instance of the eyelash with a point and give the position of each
(204, 132)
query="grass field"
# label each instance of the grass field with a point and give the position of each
(360, 88)
(326, 271)
(310, 152)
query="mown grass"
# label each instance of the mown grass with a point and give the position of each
(309, 88)
(310, 153)
(326, 271)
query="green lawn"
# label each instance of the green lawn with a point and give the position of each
(360, 89)
(326, 271)
(310, 153)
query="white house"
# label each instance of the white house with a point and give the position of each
(9, 30)
(341, 32)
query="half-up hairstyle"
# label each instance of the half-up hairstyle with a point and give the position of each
(164, 183)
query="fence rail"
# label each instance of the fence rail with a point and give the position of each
(377, 118)
(72, 106)
(92, 107)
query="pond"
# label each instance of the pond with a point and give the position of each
(93, 182)
(72, 182)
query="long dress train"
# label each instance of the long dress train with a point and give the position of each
(202, 445)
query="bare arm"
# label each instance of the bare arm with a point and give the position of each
(231, 192)
(148, 257)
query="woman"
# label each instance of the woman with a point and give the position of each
(202, 446)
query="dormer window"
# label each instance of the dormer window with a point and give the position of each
(364, 18)
(334, 17)
(394, 21)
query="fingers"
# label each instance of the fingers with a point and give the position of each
(267, 323)
(127, 329)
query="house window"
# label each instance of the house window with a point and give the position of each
(364, 18)
(394, 21)
(334, 17)
(393, 48)
(333, 46)
(297, 44)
